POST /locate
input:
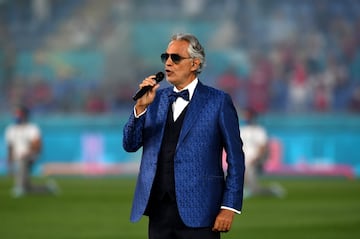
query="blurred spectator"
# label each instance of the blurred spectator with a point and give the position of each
(278, 94)
(281, 27)
(95, 103)
(354, 104)
(7, 56)
(255, 146)
(41, 11)
(120, 93)
(192, 8)
(42, 98)
(24, 142)
(321, 99)
(259, 82)
(230, 83)
(298, 87)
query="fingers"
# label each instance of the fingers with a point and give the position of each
(149, 96)
(149, 81)
(222, 227)
(223, 221)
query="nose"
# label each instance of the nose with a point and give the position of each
(168, 61)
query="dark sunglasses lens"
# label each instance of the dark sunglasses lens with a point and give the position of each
(164, 57)
(175, 58)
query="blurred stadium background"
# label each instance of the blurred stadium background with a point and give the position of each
(78, 63)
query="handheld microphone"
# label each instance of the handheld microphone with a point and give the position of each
(159, 77)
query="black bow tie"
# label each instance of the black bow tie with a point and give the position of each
(183, 94)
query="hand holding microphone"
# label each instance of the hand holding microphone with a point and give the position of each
(143, 90)
(146, 94)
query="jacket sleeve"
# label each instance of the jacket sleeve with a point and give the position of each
(133, 133)
(233, 194)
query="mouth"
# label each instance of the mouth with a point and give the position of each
(168, 72)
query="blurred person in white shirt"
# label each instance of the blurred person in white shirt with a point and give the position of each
(255, 146)
(24, 144)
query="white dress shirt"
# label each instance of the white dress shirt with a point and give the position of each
(180, 104)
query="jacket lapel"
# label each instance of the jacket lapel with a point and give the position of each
(162, 111)
(194, 110)
(163, 106)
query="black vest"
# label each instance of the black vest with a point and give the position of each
(164, 183)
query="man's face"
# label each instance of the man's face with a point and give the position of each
(20, 116)
(181, 73)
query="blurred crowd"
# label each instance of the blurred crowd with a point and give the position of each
(282, 55)
(304, 56)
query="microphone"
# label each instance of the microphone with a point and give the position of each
(159, 77)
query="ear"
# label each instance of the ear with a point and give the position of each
(195, 64)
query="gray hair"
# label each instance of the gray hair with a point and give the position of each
(195, 48)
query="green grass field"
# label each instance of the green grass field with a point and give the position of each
(98, 208)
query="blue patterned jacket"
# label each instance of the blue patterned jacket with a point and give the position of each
(211, 124)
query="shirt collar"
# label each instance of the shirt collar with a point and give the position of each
(190, 87)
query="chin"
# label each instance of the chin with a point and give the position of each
(170, 80)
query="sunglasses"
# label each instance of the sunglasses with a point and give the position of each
(176, 58)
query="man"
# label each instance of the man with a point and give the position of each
(181, 184)
(24, 145)
(255, 147)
